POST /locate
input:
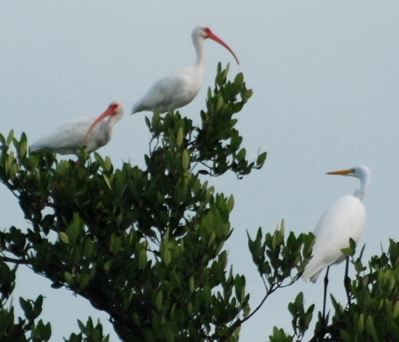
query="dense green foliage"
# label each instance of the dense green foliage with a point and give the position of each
(147, 245)
(372, 313)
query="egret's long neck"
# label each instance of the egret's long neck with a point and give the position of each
(364, 183)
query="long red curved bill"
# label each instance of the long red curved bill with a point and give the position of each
(108, 112)
(214, 37)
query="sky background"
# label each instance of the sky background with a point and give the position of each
(325, 78)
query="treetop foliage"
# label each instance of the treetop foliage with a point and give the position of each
(146, 246)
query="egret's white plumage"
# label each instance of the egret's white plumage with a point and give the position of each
(89, 131)
(180, 87)
(343, 220)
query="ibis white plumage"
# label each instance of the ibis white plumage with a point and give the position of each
(343, 220)
(89, 131)
(179, 88)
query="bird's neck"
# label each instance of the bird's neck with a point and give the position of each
(111, 122)
(360, 193)
(200, 51)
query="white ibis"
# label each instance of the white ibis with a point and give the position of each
(85, 131)
(343, 220)
(179, 88)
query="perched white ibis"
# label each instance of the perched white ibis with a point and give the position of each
(180, 87)
(85, 131)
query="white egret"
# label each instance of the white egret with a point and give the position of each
(179, 88)
(89, 131)
(343, 220)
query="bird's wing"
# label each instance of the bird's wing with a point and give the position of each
(343, 220)
(66, 138)
(176, 90)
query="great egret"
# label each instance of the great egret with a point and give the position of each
(343, 220)
(179, 88)
(90, 131)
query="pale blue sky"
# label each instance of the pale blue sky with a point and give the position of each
(325, 78)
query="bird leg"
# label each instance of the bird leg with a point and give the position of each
(347, 280)
(325, 297)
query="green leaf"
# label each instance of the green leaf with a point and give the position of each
(261, 158)
(108, 265)
(10, 137)
(147, 122)
(115, 244)
(347, 336)
(396, 310)
(239, 284)
(239, 80)
(63, 237)
(23, 148)
(69, 279)
(191, 283)
(241, 154)
(360, 323)
(180, 136)
(84, 279)
(37, 307)
(371, 328)
(26, 306)
(43, 331)
(219, 105)
(190, 309)
(75, 229)
(143, 258)
(186, 160)
(230, 203)
(88, 249)
(108, 164)
(158, 302)
(246, 95)
(107, 181)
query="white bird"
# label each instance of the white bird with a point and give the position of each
(85, 131)
(343, 220)
(181, 87)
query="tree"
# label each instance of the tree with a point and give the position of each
(146, 246)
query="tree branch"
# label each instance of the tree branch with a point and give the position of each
(15, 261)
